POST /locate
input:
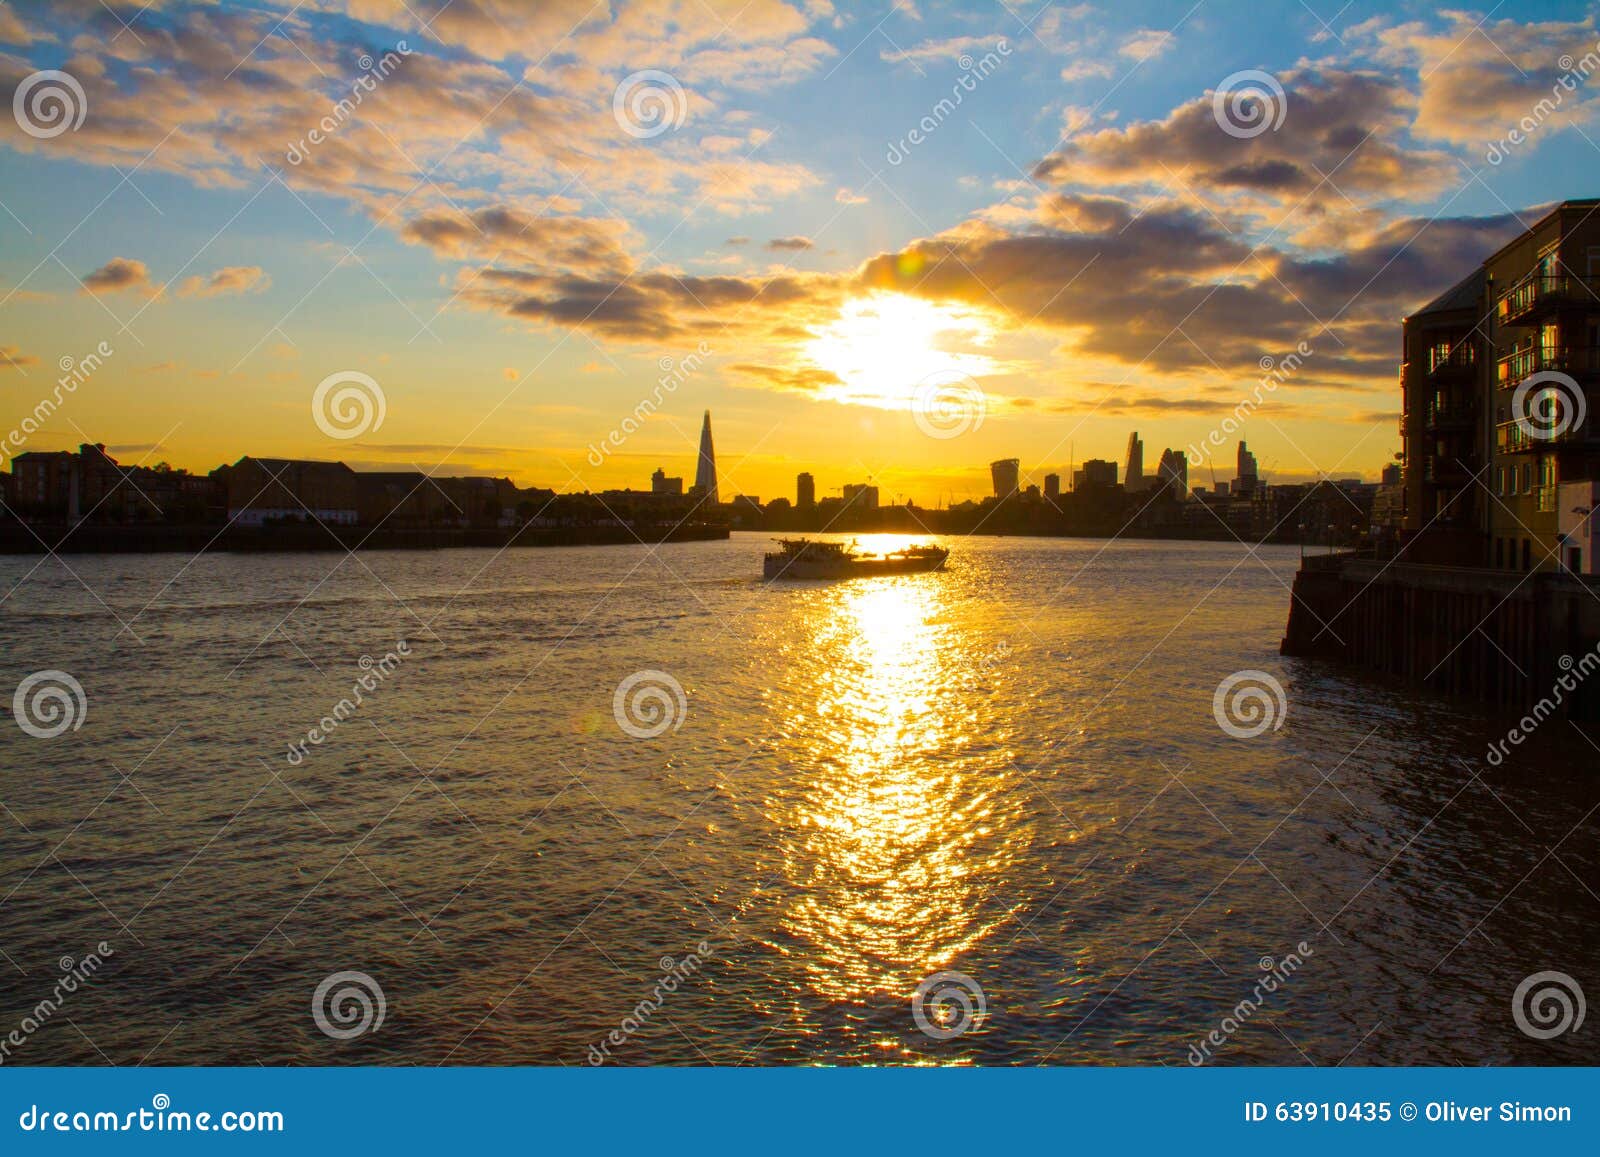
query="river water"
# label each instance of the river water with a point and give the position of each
(1006, 783)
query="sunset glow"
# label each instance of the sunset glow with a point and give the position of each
(883, 347)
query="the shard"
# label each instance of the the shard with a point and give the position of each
(705, 475)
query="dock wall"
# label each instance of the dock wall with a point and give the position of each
(1500, 637)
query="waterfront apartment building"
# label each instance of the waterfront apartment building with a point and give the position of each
(805, 491)
(1501, 451)
(90, 485)
(262, 490)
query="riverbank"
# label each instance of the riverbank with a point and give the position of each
(298, 537)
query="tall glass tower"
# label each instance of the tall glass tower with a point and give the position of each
(705, 475)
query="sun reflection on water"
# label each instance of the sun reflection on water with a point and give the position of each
(905, 818)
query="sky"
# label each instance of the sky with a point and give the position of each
(889, 241)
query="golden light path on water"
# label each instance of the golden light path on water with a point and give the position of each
(904, 816)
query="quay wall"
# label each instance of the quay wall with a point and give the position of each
(1499, 637)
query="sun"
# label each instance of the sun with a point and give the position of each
(883, 347)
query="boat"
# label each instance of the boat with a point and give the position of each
(804, 558)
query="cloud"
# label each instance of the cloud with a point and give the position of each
(1341, 148)
(1089, 68)
(14, 31)
(659, 306)
(791, 244)
(12, 358)
(120, 273)
(949, 49)
(507, 232)
(212, 93)
(1165, 290)
(1146, 44)
(228, 279)
(804, 380)
(1478, 80)
(848, 197)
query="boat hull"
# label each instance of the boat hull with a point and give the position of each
(784, 567)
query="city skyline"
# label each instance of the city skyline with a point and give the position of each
(661, 483)
(522, 290)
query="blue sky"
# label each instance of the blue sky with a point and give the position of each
(1078, 248)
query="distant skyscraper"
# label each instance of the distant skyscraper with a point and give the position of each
(705, 474)
(1174, 472)
(1245, 482)
(805, 490)
(1006, 474)
(1095, 472)
(1133, 476)
(1052, 486)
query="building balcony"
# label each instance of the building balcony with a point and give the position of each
(1445, 471)
(1453, 361)
(1459, 416)
(1536, 297)
(1526, 438)
(1575, 361)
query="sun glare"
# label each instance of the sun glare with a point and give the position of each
(882, 347)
